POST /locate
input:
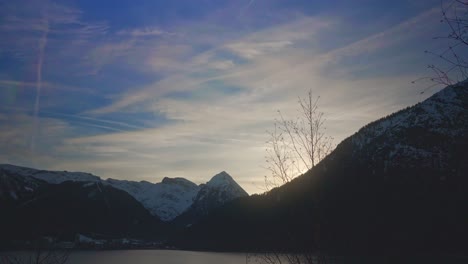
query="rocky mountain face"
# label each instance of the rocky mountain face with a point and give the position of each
(397, 186)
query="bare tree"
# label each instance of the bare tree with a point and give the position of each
(286, 258)
(296, 145)
(453, 64)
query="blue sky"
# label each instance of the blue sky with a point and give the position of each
(141, 90)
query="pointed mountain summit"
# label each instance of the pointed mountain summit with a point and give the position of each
(218, 191)
(221, 188)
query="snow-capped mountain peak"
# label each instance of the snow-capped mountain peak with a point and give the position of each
(166, 199)
(219, 190)
(221, 179)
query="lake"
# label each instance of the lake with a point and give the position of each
(154, 257)
(191, 257)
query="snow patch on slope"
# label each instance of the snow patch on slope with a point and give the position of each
(166, 200)
(54, 177)
(16, 186)
(399, 140)
(437, 114)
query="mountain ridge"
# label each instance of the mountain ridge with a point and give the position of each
(397, 186)
(166, 199)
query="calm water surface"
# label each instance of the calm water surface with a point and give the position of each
(154, 257)
(190, 257)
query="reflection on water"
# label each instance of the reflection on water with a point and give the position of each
(154, 257)
(190, 257)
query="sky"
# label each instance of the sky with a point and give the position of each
(147, 89)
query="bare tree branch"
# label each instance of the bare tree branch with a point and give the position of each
(453, 66)
(296, 145)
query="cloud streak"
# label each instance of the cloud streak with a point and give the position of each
(196, 97)
(143, 32)
(42, 46)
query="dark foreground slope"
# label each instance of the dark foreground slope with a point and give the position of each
(398, 186)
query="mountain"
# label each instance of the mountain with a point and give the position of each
(13, 188)
(166, 199)
(423, 133)
(69, 208)
(220, 190)
(54, 177)
(397, 186)
(180, 198)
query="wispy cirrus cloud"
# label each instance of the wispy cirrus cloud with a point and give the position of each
(23, 19)
(143, 32)
(265, 53)
(195, 96)
(272, 67)
(46, 86)
(15, 138)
